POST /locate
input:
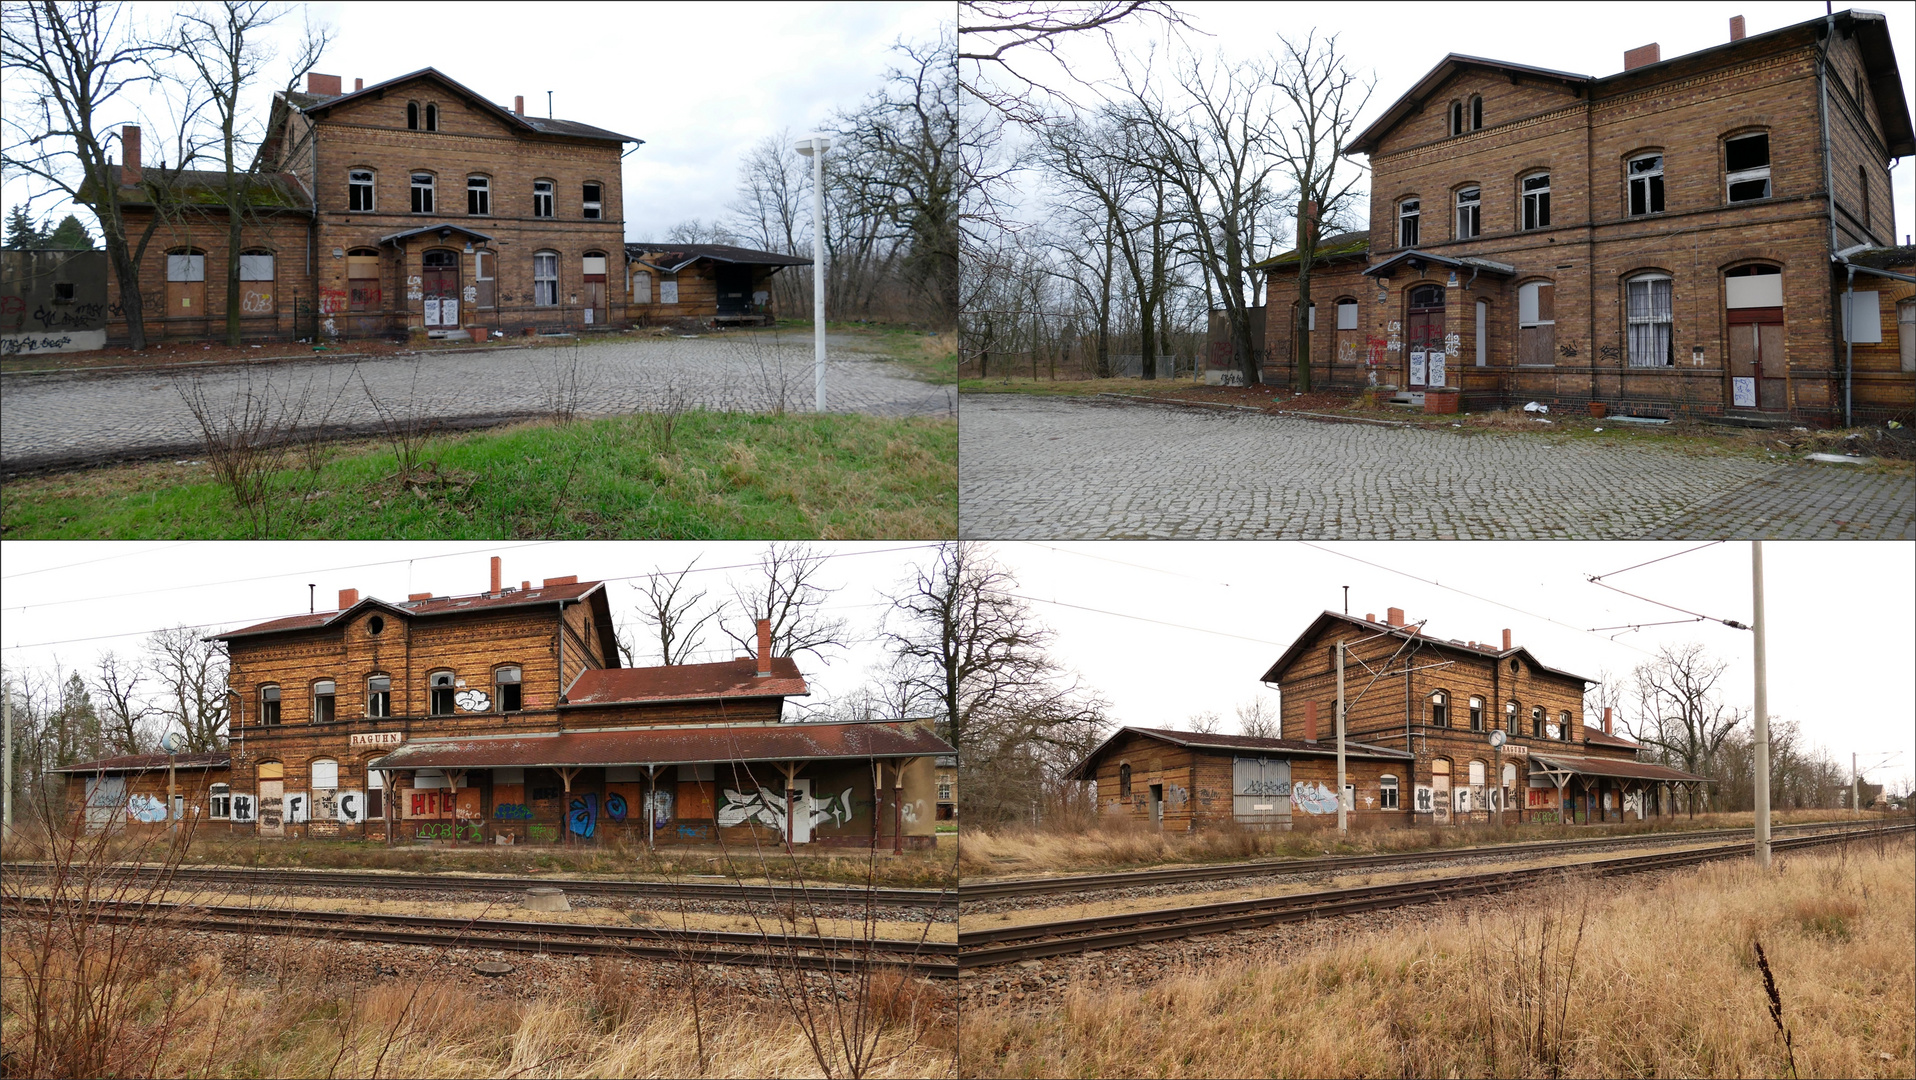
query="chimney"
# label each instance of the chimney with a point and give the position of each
(322, 84)
(1370, 616)
(1394, 617)
(347, 598)
(1606, 708)
(519, 104)
(525, 586)
(554, 582)
(764, 647)
(1506, 640)
(495, 576)
(1736, 28)
(130, 144)
(358, 85)
(414, 597)
(1310, 721)
(1641, 56)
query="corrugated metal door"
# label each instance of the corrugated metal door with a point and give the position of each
(1261, 791)
(105, 800)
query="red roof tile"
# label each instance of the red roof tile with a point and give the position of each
(686, 682)
(1624, 768)
(671, 746)
(438, 605)
(148, 763)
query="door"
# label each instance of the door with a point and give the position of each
(439, 285)
(483, 293)
(1157, 806)
(1424, 334)
(595, 290)
(1261, 791)
(1440, 799)
(734, 290)
(105, 801)
(1758, 377)
(272, 808)
(798, 797)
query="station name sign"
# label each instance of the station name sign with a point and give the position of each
(378, 738)
(1510, 749)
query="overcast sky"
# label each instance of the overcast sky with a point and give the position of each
(1400, 43)
(70, 602)
(1168, 629)
(700, 83)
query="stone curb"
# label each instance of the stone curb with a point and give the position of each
(1325, 417)
(251, 361)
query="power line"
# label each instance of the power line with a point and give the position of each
(1141, 618)
(1699, 617)
(89, 562)
(1641, 565)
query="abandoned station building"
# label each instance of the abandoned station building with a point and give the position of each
(1679, 239)
(505, 717)
(1423, 716)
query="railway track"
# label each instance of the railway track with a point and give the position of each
(1032, 941)
(1131, 879)
(252, 878)
(933, 959)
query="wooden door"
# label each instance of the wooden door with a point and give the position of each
(1424, 332)
(272, 808)
(439, 285)
(1759, 376)
(594, 274)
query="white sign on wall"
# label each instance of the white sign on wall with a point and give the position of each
(668, 292)
(1436, 369)
(377, 738)
(1743, 391)
(1417, 367)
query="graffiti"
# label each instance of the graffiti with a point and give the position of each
(11, 346)
(1566, 350)
(332, 301)
(1544, 817)
(13, 305)
(325, 804)
(542, 834)
(472, 294)
(352, 806)
(474, 700)
(767, 807)
(1633, 803)
(615, 807)
(446, 830)
(296, 807)
(1423, 799)
(695, 832)
(271, 812)
(1275, 788)
(512, 811)
(147, 808)
(909, 811)
(431, 803)
(67, 318)
(117, 309)
(256, 303)
(243, 809)
(582, 817)
(662, 806)
(1314, 798)
(1610, 352)
(1540, 797)
(1452, 343)
(1463, 800)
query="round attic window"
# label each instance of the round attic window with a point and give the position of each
(376, 624)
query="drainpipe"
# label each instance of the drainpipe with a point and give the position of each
(1829, 183)
(1849, 343)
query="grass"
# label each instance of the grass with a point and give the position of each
(1020, 852)
(1649, 979)
(714, 476)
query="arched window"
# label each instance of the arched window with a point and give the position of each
(422, 184)
(269, 704)
(545, 279)
(1387, 792)
(432, 117)
(1644, 175)
(362, 279)
(1476, 112)
(1439, 711)
(1408, 212)
(441, 685)
(506, 680)
(1476, 714)
(1346, 313)
(478, 195)
(542, 198)
(325, 773)
(1469, 212)
(1456, 118)
(1563, 721)
(379, 696)
(412, 116)
(1648, 306)
(219, 801)
(1536, 200)
(1124, 780)
(1536, 323)
(1746, 162)
(1476, 773)
(323, 703)
(359, 190)
(1512, 711)
(641, 286)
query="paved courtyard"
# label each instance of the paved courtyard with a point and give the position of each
(48, 419)
(1058, 468)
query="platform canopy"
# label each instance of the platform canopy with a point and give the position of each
(669, 746)
(1560, 767)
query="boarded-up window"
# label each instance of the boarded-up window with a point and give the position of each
(325, 773)
(362, 282)
(1347, 314)
(1536, 323)
(1906, 333)
(256, 284)
(1864, 325)
(642, 287)
(1260, 789)
(668, 290)
(186, 268)
(1761, 288)
(185, 286)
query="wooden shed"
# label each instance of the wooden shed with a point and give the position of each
(717, 284)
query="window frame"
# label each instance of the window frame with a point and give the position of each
(450, 688)
(353, 186)
(412, 116)
(1565, 725)
(479, 193)
(549, 195)
(274, 700)
(430, 187)
(1439, 708)
(592, 208)
(499, 684)
(1387, 789)
(1476, 713)
(1410, 212)
(1733, 177)
(313, 770)
(432, 116)
(1476, 112)
(538, 261)
(330, 695)
(1340, 304)
(379, 702)
(1456, 118)
(191, 267)
(219, 802)
(1666, 319)
(1653, 184)
(1471, 211)
(1534, 213)
(1124, 779)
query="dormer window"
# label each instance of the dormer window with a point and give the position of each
(441, 685)
(506, 680)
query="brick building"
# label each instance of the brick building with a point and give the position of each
(132, 791)
(410, 206)
(505, 717)
(1671, 240)
(717, 284)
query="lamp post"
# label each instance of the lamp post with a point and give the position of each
(814, 147)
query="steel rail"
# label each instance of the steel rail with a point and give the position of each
(1131, 879)
(691, 890)
(989, 948)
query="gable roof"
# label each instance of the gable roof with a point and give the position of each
(320, 104)
(670, 746)
(1276, 672)
(674, 257)
(558, 592)
(148, 763)
(205, 190)
(686, 682)
(1345, 245)
(1196, 740)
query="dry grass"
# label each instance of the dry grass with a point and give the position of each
(1651, 980)
(1018, 852)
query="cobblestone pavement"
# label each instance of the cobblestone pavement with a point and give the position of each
(1071, 468)
(59, 418)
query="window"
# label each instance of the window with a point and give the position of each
(1439, 714)
(432, 117)
(1407, 213)
(325, 773)
(1469, 208)
(219, 801)
(1476, 773)
(1387, 792)
(441, 685)
(1124, 780)
(362, 280)
(478, 195)
(1511, 713)
(1536, 323)
(591, 201)
(375, 624)
(1536, 201)
(545, 279)
(506, 679)
(422, 193)
(63, 292)
(379, 696)
(1906, 333)
(944, 792)
(1648, 304)
(1456, 118)
(1476, 113)
(375, 793)
(542, 198)
(359, 190)
(269, 705)
(668, 288)
(1646, 184)
(1564, 725)
(1476, 714)
(186, 267)
(412, 116)
(323, 701)
(1483, 336)
(641, 286)
(1748, 161)
(1347, 314)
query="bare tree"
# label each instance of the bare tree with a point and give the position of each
(671, 611)
(1681, 714)
(192, 673)
(1258, 719)
(1207, 722)
(1326, 98)
(124, 715)
(786, 592)
(1000, 29)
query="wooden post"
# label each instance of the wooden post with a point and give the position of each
(878, 797)
(651, 804)
(565, 814)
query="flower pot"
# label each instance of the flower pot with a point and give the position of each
(1443, 402)
(1599, 409)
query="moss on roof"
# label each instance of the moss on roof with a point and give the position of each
(1336, 246)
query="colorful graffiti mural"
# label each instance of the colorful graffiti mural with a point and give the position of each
(615, 807)
(766, 806)
(1314, 798)
(446, 830)
(512, 811)
(147, 808)
(582, 816)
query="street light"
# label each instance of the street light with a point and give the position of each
(814, 147)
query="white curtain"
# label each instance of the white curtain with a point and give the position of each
(1649, 317)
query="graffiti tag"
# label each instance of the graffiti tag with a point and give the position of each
(512, 812)
(147, 808)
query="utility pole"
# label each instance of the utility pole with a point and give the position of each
(1343, 819)
(6, 720)
(1760, 625)
(1855, 789)
(814, 147)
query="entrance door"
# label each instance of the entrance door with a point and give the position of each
(1440, 799)
(1758, 377)
(1424, 332)
(272, 808)
(734, 290)
(483, 295)
(439, 284)
(105, 801)
(595, 290)
(1157, 806)
(186, 286)
(798, 797)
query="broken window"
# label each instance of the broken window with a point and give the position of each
(545, 279)
(1469, 208)
(1648, 304)
(1536, 201)
(1407, 214)
(1124, 780)
(1748, 160)
(1563, 724)
(63, 292)
(506, 679)
(1476, 714)
(432, 117)
(542, 198)
(478, 195)
(1439, 714)
(359, 190)
(1387, 792)
(362, 280)
(1512, 713)
(441, 685)
(1646, 184)
(379, 696)
(219, 801)
(323, 701)
(592, 201)
(269, 705)
(325, 773)
(1536, 323)
(422, 193)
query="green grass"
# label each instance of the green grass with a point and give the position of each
(723, 475)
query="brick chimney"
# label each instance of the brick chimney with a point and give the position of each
(495, 576)
(1310, 721)
(130, 145)
(555, 582)
(1506, 640)
(764, 647)
(1606, 708)
(358, 85)
(1394, 617)
(525, 586)
(347, 598)
(414, 597)
(1370, 616)
(322, 84)
(519, 104)
(1641, 56)
(1736, 28)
